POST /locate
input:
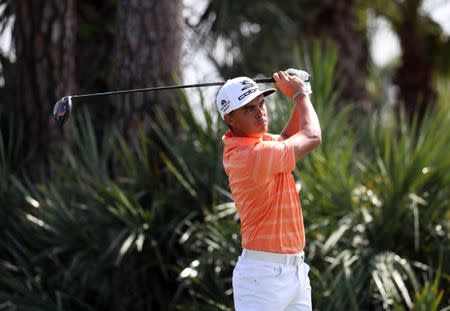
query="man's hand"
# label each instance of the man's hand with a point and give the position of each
(304, 76)
(288, 84)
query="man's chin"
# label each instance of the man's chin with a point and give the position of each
(265, 127)
(258, 133)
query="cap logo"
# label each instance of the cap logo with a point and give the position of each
(247, 85)
(224, 105)
(247, 93)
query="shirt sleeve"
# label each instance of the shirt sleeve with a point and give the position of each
(270, 158)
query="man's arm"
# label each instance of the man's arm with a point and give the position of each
(302, 130)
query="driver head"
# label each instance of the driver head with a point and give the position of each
(61, 110)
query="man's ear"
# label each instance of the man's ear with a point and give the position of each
(228, 119)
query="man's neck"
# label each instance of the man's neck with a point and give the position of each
(240, 134)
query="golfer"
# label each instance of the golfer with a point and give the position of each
(270, 274)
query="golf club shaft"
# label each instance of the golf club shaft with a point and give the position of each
(170, 87)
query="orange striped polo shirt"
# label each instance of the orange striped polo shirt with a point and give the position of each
(260, 176)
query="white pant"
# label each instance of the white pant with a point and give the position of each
(261, 285)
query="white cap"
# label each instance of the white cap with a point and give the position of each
(238, 92)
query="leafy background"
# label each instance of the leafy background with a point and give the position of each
(149, 224)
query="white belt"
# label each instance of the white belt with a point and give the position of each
(285, 259)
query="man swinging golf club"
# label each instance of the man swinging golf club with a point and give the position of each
(270, 274)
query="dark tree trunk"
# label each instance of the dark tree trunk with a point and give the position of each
(94, 57)
(336, 21)
(94, 46)
(415, 75)
(148, 53)
(44, 33)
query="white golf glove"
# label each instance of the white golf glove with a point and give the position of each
(303, 75)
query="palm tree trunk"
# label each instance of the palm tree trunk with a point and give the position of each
(44, 33)
(336, 21)
(415, 75)
(148, 52)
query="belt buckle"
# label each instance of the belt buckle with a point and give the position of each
(298, 259)
(295, 260)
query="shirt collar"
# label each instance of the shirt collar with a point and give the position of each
(230, 140)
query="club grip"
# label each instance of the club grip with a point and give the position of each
(265, 80)
(272, 80)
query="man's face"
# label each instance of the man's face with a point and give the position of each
(250, 120)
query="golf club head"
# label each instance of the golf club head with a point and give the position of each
(62, 109)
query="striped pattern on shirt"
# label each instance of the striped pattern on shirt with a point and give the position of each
(260, 176)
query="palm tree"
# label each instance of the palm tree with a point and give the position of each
(343, 23)
(425, 49)
(148, 52)
(96, 28)
(264, 36)
(44, 37)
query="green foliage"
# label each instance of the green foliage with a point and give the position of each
(258, 36)
(375, 209)
(78, 230)
(429, 298)
(155, 221)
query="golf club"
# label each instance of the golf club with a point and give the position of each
(63, 107)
